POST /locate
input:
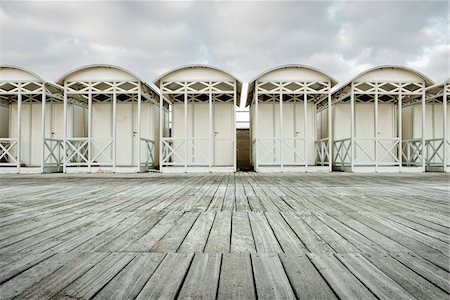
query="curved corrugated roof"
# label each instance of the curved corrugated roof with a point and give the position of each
(425, 78)
(62, 78)
(251, 84)
(193, 66)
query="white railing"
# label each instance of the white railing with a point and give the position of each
(376, 151)
(8, 151)
(412, 151)
(282, 151)
(53, 152)
(342, 152)
(434, 152)
(322, 152)
(89, 151)
(148, 154)
(186, 152)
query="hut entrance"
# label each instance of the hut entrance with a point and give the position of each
(243, 150)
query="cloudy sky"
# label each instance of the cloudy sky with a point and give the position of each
(341, 38)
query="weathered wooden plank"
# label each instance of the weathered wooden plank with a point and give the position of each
(93, 280)
(416, 285)
(242, 237)
(306, 281)
(131, 279)
(310, 239)
(265, 240)
(288, 240)
(236, 277)
(166, 281)
(270, 279)
(31, 276)
(219, 239)
(340, 279)
(197, 237)
(172, 240)
(379, 283)
(203, 277)
(51, 285)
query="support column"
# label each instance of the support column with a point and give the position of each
(139, 131)
(256, 128)
(89, 127)
(400, 129)
(281, 130)
(114, 128)
(375, 153)
(330, 135)
(43, 100)
(234, 126)
(185, 127)
(352, 129)
(19, 125)
(65, 129)
(161, 125)
(305, 125)
(424, 150)
(445, 141)
(211, 129)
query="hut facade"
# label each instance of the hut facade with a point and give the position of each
(437, 144)
(30, 123)
(197, 119)
(291, 119)
(110, 120)
(379, 121)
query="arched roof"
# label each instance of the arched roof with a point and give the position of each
(289, 72)
(16, 73)
(101, 72)
(373, 73)
(198, 72)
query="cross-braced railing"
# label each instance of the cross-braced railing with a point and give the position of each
(89, 151)
(376, 151)
(342, 152)
(186, 152)
(322, 152)
(53, 152)
(8, 151)
(434, 152)
(282, 151)
(148, 154)
(412, 151)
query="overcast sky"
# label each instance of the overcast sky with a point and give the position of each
(244, 38)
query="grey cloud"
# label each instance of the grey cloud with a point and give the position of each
(341, 38)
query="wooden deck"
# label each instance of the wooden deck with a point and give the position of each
(227, 236)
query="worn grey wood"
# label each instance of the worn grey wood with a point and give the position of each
(306, 281)
(166, 281)
(236, 277)
(203, 277)
(131, 279)
(270, 279)
(378, 282)
(415, 284)
(341, 280)
(117, 236)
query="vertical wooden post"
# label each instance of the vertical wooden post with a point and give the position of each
(256, 128)
(330, 128)
(185, 127)
(234, 126)
(43, 100)
(400, 128)
(89, 127)
(424, 150)
(211, 129)
(375, 151)
(281, 128)
(161, 125)
(65, 128)
(19, 125)
(139, 132)
(305, 125)
(352, 129)
(114, 128)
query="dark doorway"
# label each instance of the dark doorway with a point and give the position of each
(243, 150)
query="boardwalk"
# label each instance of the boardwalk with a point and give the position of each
(227, 236)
